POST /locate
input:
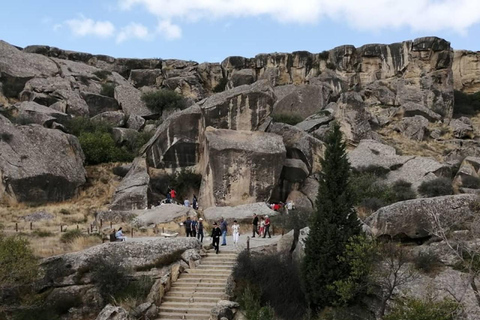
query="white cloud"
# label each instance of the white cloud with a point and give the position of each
(418, 15)
(134, 31)
(57, 27)
(168, 30)
(84, 27)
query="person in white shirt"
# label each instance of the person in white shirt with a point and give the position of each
(236, 231)
(119, 235)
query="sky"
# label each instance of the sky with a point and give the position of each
(211, 30)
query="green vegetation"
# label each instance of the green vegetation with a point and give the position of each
(332, 226)
(416, 309)
(108, 89)
(471, 182)
(466, 104)
(109, 276)
(324, 55)
(221, 85)
(18, 265)
(427, 262)
(102, 74)
(70, 235)
(42, 233)
(436, 187)
(161, 100)
(5, 136)
(291, 119)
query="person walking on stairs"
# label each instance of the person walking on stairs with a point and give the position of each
(236, 231)
(193, 227)
(216, 233)
(223, 228)
(200, 230)
(267, 227)
(255, 225)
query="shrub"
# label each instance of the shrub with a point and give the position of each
(221, 85)
(416, 309)
(137, 289)
(78, 125)
(436, 187)
(372, 204)
(274, 275)
(109, 276)
(42, 233)
(71, 235)
(137, 141)
(108, 89)
(65, 212)
(84, 79)
(377, 171)
(102, 74)
(466, 104)
(161, 100)
(471, 182)
(5, 136)
(324, 55)
(291, 119)
(100, 148)
(402, 190)
(18, 265)
(427, 262)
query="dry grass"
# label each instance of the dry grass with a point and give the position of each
(95, 196)
(83, 243)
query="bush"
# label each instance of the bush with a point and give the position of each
(466, 104)
(42, 233)
(402, 191)
(372, 204)
(18, 265)
(137, 141)
(100, 148)
(416, 309)
(79, 125)
(102, 74)
(5, 136)
(137, 289)
(71, 235)
(65, 212)
(159, 101)
(108, 89)
(427, 262)
(220, 87)
(275, 276)
(377, 171)
(471, 182)
(324, 55)
(109, 276)
(436, 187)
(291, 119)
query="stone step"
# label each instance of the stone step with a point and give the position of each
(197, 284)
(189, 305)
(179, 315)
(204, 281)
(185, 309)
(199, 298)
(204, 275)
(195, 294)
(201, 289)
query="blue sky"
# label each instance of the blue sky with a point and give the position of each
(210, 30)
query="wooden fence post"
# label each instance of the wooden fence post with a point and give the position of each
(16, 226)
(101, 223)
(61, 228)
(248, 243)
(31, 225)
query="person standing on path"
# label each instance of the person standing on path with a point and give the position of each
(194, 202)
(173, 194)
(236, 231)
(216, 233)
(223, 228)
(255, 225)
(267, 227)
(193, 227)
(200, 230)
(188, 227)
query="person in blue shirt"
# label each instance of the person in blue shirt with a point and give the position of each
(119, 235)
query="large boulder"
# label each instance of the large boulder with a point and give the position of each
(240, 167)
(132, 193)
(130, 100)
(113, 313)
(163, 214)
(302, 100)
(302, 202)
(243, 213)
(462, 128)
(416, 219)
(39, 164)
(470, 167)
(374, 153)
(300, 145)
(98, 103)
(113, 118)
(414, 128)
(35, 113)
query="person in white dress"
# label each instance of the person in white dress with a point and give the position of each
(236, 231)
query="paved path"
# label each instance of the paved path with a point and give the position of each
(198, 290)
(242, 243)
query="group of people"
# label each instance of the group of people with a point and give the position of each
(194, 228)
(171, 195)
(261, 226)
(221, 231)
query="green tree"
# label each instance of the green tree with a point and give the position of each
(18, 265)
(161, 100)
(333, 224)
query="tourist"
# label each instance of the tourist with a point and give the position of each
(255, 225)
(188, 227)
(119, 235)
(223, 228)
(267, 227)
(194, 202)
(216, 233)
(262, 227)
(236, 231)
(194, 227)
(169, 196)
(186, 203)
(200, 230)
(173, 194)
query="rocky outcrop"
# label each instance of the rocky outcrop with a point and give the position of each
(113, 118)
(163, 214)
(466, 71)
(374, 153)
(31, 112)
(39, 164)
(470, 167)
(243, 213)
(240, 167)
(113, 313)
(415, 219)
(462, 128)
(414, 128)
(132, 193)
(301, 100)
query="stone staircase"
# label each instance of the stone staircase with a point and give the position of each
(195, 293)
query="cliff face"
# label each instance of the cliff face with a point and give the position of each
(466, 71)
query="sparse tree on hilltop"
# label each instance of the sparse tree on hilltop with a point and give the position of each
(333, 224)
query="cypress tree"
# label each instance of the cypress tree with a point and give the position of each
(333, 223)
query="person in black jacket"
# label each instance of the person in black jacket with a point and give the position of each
(216, 233)
(255, 225)
(188, 227)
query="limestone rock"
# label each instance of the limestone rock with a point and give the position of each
(350, 112)
(98, 103)
(315, 121)
(243, 213)
(411, 109)
(130, 100)
(414, 128)
(35, 113)
(284, 245)
(241, 77)
(299, 251)
(462, 128)
(310, 189)
(300, 145)
(146, 77)
(39, 164)
(132, 192)
(374, 153)
(163, 214)
(113, 118)
(302, 202)
(301, 100)
(240, 167)
(294, 170)
(466, 71)
(123, 135)
(113, 313)
(135, 122)
(470, 167)
(413, 219)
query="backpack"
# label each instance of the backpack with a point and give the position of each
(113, 238)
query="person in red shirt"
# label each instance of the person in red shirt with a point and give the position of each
(267, 227)
(173, 193)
